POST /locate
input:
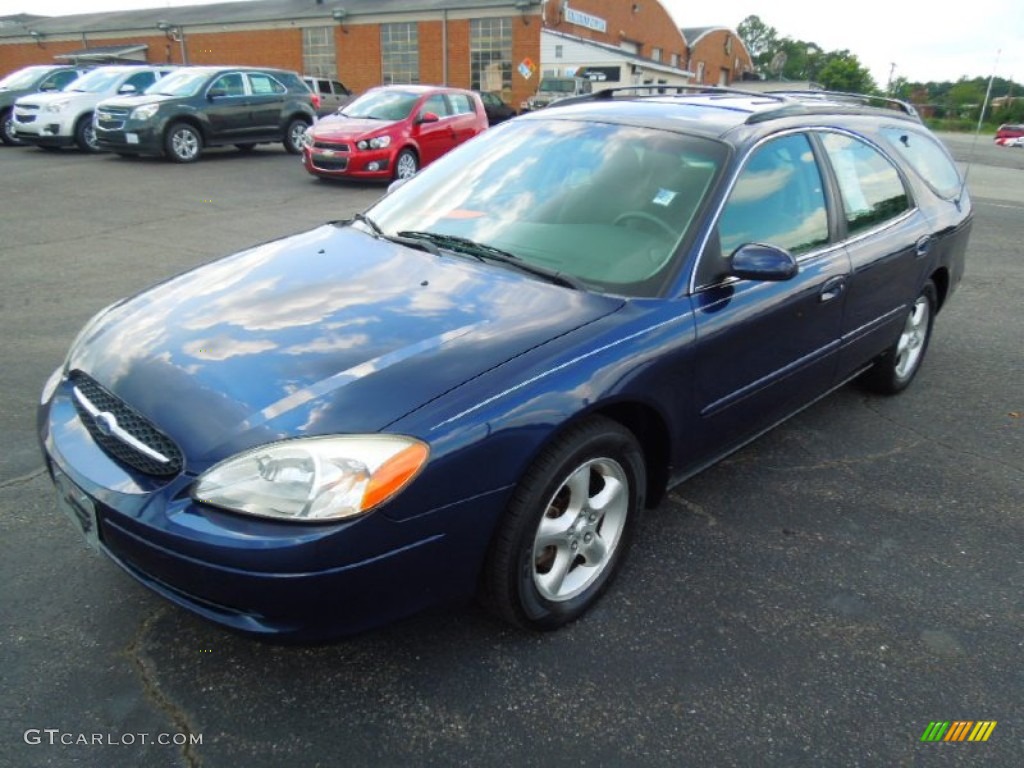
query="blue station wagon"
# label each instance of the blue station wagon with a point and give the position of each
(474, 387)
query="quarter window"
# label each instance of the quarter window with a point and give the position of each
(871, 187)
(928, 158)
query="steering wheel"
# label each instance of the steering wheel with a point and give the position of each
(644, 216)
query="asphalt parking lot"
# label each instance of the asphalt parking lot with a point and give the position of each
(816, 600)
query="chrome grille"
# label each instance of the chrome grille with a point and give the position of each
(123, 432)
(320, 144)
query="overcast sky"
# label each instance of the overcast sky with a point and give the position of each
(926, 41)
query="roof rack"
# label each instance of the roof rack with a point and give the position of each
(864, 99)
(664, 89)
(788, 103)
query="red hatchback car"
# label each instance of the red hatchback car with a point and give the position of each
(392, 131)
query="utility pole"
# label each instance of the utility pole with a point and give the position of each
(892, 70)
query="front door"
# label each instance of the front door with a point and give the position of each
(766, 348)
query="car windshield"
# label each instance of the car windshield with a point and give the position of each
(607, 205)
(556, 85)
(23, 78)
(179, 84)
(383, 105)
(97, 81)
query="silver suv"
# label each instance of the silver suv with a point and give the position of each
(53, 120)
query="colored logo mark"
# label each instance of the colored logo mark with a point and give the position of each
(958, 730)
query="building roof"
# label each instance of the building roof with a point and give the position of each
(692, 34)
(626, 56)
(253, 11)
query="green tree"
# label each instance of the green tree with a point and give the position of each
(761, 40)
(842, 71)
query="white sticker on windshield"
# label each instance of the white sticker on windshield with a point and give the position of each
(664, 197)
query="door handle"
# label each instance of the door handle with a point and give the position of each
(923, 246)
(832, 289)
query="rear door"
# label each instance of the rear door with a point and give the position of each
(764, 349)
(266, 102)
(886, 237)
(466, 122)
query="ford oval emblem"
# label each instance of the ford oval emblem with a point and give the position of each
(105, 423)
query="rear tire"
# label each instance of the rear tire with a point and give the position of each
(7, 129)
(182, 143)
(567, 527)
(294, 136)
(896, 367)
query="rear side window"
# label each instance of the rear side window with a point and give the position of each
(141, 80)
(324, 86)
(265, 84)
(871, 187)
(461, 103)
(927, 157)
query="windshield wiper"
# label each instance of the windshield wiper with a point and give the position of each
(484, 252)
(376, 231)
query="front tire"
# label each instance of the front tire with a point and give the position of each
(182, 143)
(406, 165)
(85, 135)
(294, 136)
(896, 367)
(567, 527)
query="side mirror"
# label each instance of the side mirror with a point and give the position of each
(216, 93)
(397, 184)
(127, 89)
(756, 261)
(428, 117)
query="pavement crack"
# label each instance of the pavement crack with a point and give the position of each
(151, 687)
(22, 478)
(932, 439)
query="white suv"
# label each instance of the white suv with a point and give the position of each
(52, 120)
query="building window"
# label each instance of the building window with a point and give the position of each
(318, 57)
(656, 54)
(675, 60)
(700, 71)
(490, 54)
(728, 44)
(558, 51)
(400, 53)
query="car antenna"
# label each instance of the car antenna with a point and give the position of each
(977, 132)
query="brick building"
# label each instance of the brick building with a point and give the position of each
(486, 44)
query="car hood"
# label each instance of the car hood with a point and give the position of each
(325, 332)
(339, 127)
(130, 102)
(42, 99)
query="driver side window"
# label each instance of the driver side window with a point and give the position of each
(778, 199)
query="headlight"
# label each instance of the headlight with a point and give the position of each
(376, 143)
(144, 112)
(314, 479)
(57, 106)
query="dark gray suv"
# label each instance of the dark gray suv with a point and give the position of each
(198, 107)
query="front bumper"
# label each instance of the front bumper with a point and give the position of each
(361, 164)
(44, 128)
(132, 137)
(298, 581)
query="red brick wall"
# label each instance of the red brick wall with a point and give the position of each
(264, 48)
(710, 49)
(358, 52)
(651, 25)
(431, 52)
